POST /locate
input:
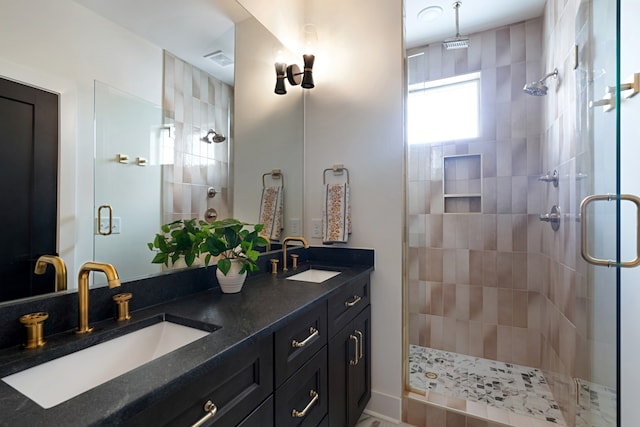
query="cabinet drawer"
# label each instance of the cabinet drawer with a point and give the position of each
(298, 340)
(347, 303)
(236, 385)
(262, 416)
(305, 390)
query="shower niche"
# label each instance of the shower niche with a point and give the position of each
(462, 183)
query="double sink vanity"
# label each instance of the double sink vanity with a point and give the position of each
(285, 351)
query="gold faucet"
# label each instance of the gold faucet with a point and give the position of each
(83, 290)
(58, 265)
(284, 248)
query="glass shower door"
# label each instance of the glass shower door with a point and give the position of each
(609, 215)
(127, 181)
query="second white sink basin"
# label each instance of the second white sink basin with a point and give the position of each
(313, 275)
(58, 380)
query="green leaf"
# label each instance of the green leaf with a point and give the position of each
(160, 258)
(224, 265)
(190, 258)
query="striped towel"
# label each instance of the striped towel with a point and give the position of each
(272, 212)
(336, 215)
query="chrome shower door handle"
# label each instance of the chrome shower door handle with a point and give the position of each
(585, 232)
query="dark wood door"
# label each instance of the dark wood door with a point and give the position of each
(28, 187)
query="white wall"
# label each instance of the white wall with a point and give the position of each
(63, 47)
(630, 111)
(268, 128)
(354, 116)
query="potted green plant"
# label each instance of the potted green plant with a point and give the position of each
(228, 239)
(231, 240)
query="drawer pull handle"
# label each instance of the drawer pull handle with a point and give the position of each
(314, 398)
(210, 410)
(357, 358)
(361, 339)
(313, 332)
(356, 299)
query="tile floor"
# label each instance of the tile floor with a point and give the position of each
(370, 421)
(519, 389)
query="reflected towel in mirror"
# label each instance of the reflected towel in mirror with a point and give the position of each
(272, 212)
(336, 215)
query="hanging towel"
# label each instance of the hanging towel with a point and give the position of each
(336, 215)
(271, 212)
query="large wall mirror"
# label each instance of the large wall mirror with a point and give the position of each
(263, 131)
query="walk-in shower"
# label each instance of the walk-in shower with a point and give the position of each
(506, 323)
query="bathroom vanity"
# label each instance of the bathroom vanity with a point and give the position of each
(286, 352)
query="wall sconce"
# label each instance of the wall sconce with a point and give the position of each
(292, 72)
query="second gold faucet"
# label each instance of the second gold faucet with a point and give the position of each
(284, 248)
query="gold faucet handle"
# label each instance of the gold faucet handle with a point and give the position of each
(122, 301)
(274, 266)
(294, 261)
(34, 322)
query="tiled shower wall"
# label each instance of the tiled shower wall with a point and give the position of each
(474, 288)
(194, 102)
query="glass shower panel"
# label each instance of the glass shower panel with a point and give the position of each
(128, 178)
(597, 172)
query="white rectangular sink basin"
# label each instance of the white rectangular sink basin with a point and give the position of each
(58, 380)
(313, 275)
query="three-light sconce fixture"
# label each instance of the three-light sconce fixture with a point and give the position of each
(292, 72)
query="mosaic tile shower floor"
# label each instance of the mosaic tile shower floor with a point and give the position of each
(516, 388)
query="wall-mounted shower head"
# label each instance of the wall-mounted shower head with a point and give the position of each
(213, 136)
(539, 88)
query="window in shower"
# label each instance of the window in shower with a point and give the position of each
(444, 110)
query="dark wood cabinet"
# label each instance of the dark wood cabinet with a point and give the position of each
(236, 385)
(298, 340)
(350, 369)
(302, 399)
(315, 370)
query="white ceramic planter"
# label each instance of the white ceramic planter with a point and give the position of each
(233, 281)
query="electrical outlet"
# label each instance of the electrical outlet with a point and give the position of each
(316, 228)
(116, 224)
(294, 227)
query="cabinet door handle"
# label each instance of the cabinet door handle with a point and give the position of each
(357, 358)
(356, 299)
(361, 339)
(313, 332)
(314, 398)
(210, 410)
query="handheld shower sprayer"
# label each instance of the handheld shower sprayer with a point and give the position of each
(539, 88)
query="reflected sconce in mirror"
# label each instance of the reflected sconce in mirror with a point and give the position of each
(213, 136)
(292, 72)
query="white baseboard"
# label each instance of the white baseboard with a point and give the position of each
(385, 407)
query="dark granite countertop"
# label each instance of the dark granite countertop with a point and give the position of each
(265, 303)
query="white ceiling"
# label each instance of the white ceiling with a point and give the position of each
(475, 16)
(191, 29)
(188, 29)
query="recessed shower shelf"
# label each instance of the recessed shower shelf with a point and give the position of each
(462, 183)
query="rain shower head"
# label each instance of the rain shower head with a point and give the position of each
(213, 136)
(539, 88)
(458, 42)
